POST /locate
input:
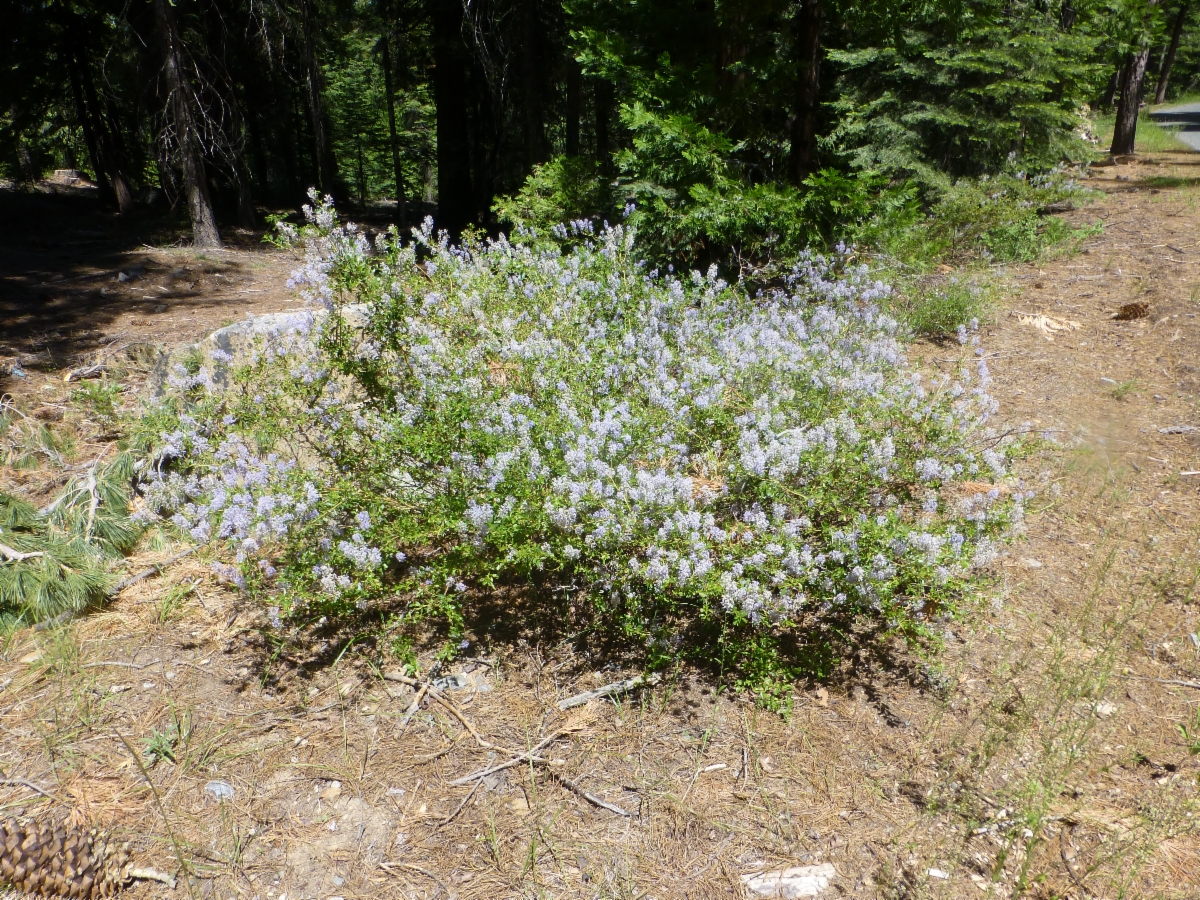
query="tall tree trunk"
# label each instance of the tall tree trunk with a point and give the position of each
(531, 84)
(195, 183)
(603, 97)
(1110, 90)
(244, 182)
(1164, 75)
(455, 207)
(807, 28)
(89, 130)
(104, 145)
(393, 140)
(574, 106)
(112, 146)
(1067, 16)
(322, 150)
(1131, 82)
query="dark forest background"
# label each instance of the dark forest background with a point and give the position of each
(727, 129)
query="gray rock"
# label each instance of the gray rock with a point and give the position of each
(236, 342)
(802, 881)
(220, 790)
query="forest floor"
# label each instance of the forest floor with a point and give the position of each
(1041, 757)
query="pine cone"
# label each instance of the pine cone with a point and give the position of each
(57, 861)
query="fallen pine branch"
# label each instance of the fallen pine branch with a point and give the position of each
(115, 590)
(616, 687)
(83, 372)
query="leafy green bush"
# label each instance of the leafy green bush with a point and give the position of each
(937, 307)
(1001, 219)
(691, 206)
(564, 189)
(706, 473)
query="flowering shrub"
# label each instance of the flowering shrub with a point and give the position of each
(692, 460)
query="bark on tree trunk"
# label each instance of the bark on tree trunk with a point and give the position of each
(1110, 91)
(604, 109)
(326, 165)
(195, 183)
(89, 132)
(1131, 82)
(111, 146)
(397, 172)
(807, 27)
(450, 96)
(574, 106)
(1164, 75)
(531, 83)
(247, 217)
(103, 145)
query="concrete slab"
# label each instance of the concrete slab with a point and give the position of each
(1186, 116)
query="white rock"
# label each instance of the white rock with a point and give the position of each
(234, 344)
(937, 873)
(1104, 709)
(802, 881)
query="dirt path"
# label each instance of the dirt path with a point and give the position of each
(63, 297)
(1041, 757)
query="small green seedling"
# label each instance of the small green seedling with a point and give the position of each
(1192, 735)
(160, 746)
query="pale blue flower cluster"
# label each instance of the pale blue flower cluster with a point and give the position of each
(643, 435)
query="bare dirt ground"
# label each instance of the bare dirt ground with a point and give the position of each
(1040, 755)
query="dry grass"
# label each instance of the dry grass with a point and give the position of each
(1037, 756)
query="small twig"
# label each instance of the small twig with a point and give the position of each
(412, 710)
(1062, 852)
(459, 808)
(402, 678)
(590, 798)
(153, 875)
(616, 687)
(146, 573)
(21, 782)
(452, 708)
(529, 756)
(86, 372)
(1181, 683)
(117, 664)
(387, 867)
(16, 555)
(457, 713)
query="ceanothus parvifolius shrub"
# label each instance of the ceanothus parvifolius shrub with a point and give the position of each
(551, 415)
